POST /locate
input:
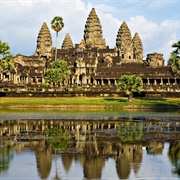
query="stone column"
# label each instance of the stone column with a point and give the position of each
(84, 80)
(109, 83)
(15, 79)
(148, 81)
(102, 82)
(155, 82)
(27, 80)
(115, 82)
(161, 82)
(95, 82)
(168, 81)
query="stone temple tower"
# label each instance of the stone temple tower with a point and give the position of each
(67, 42)
(124, 43)
(44, 42)
(93, 32)
(137, 48)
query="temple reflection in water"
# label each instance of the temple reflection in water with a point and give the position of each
(91, 144)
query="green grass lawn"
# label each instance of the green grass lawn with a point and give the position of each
(87, 101)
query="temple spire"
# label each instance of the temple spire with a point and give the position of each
(124, 43)
(67, 42)
(93, 32)
(44, 42)
(137, 48)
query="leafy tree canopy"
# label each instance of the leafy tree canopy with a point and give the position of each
(57, 23)
(58, 72)
(6, 58)
(130, 84)
(4, 50)
(174, 60)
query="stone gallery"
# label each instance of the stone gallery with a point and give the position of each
(93, 65)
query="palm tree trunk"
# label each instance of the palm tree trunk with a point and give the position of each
(56, 45)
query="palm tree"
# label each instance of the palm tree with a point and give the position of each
(174, 60)
(57, 25)
(177, 46)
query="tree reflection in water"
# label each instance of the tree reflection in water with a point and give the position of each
(58, 140)
(174, 156)
(130, 132)
(6, 155)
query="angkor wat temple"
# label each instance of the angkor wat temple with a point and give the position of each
(94, 66)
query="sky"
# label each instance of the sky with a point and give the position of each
(156, 21)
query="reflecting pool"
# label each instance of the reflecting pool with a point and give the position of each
(89, 145)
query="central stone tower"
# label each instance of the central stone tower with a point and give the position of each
(93, 32)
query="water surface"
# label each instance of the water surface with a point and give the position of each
(97, 146)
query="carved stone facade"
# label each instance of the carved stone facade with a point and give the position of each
(93, 65)
(155, 60)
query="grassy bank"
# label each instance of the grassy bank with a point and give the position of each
(87, 102)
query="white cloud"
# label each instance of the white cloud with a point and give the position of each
(155, 37)
(110, 27)
(21, 21)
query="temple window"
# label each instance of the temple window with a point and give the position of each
(151, 81)
(165, 81)
(75, 64)
(34, 80)
(172, 81)
(122, 56)
(158, 81)
(39, 80)
(129, 57)
(145, 81)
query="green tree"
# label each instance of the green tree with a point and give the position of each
(174, 60)
(130, 84)
(58, 72)
(6, 58)
(57, 25)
